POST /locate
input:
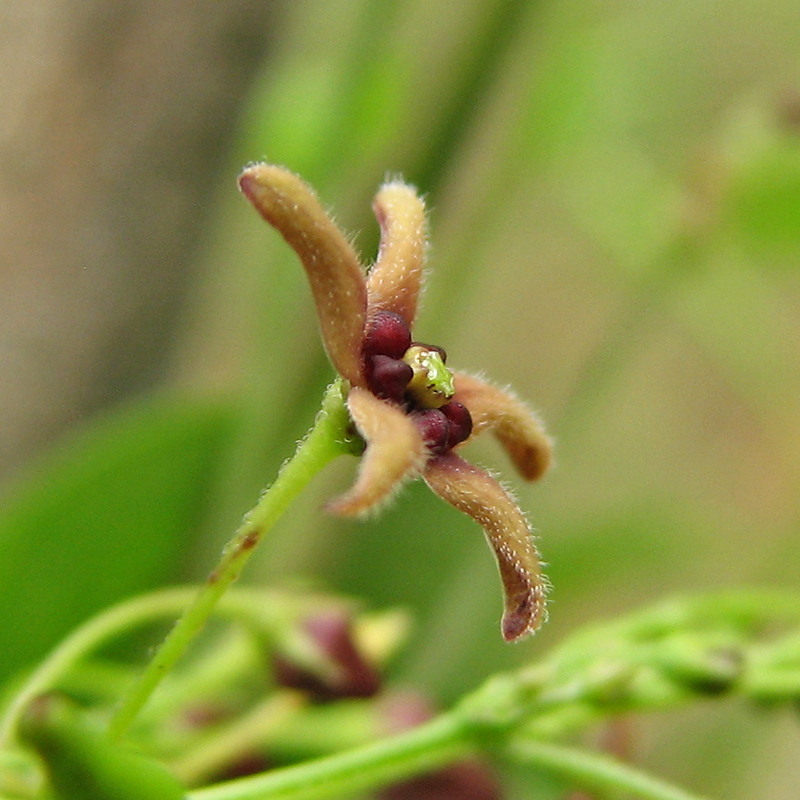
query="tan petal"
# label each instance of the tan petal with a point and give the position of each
(476, 493)
(333, 269)
(395, 451)
(517, 428)
(394, 283)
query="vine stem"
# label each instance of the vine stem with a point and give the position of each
(98, 630)
(448, 738)
(435, 744)
(596, 772)
(327, 439)
(248, 605)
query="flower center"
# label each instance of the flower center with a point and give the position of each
(431, 384)
(414, 377)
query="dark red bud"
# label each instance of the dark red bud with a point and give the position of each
(388, 377)
(355, 676)
(388, 334)
(435, 429)
(460, 422)
(334, 636)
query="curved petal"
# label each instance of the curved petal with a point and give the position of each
(476, 493)
(395, 451)
(518, 429)
(394, 283)
(337, 282)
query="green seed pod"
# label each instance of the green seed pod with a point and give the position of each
(82, 764)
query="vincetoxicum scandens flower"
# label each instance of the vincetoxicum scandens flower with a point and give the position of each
(411, 410)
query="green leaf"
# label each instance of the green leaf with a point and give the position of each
(103, 516)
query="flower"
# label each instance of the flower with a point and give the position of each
(328, 664)
(412, 411)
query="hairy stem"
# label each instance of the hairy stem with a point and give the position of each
(326, 440)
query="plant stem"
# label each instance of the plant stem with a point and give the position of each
(98, 630)
(327, 439)
(435, 744)
(220, 749)
(113, 623)
(596, 772)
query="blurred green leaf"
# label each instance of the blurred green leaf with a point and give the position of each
(105, 515)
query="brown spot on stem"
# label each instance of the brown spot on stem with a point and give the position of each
(250, 540)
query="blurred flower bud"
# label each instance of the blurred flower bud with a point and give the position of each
(470, 779)
(335, 667)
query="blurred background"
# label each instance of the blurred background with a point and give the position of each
(615, 195)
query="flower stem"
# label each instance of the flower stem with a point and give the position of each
(327, 439)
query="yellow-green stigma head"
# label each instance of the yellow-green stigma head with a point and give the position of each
(432, 383)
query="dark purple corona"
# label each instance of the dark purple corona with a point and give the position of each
(388, 334)
(460, 422)
(387, 341)
(388, 377)
(434, 429)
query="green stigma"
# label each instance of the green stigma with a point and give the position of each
(432, 383)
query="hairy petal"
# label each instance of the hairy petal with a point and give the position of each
(337, 282)
(394, 283)
(476, 493)
(395, 451)
(518, 429)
